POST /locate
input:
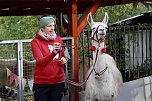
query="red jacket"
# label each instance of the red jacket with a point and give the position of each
(48, 70)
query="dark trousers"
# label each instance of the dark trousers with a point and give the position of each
(48, 92)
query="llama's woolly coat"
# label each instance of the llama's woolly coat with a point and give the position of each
(106, 87)
(103, 87)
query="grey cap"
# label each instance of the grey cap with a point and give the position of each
(46, 20)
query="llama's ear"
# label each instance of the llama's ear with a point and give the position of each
(106, 18)
(90, 19)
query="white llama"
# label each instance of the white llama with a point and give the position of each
(104, 77)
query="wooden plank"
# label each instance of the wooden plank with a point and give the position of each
(83, 19)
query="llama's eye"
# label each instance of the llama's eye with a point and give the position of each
(106, 28)
(93, 28)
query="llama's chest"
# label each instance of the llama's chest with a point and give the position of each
(104, 81)
(105, 85)
(105, 77)
(101, 87)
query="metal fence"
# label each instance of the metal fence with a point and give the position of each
(17, 67)
(131, 47)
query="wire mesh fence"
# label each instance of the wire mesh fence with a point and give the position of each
(17, 68)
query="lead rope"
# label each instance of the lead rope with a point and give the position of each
(101, 72)
(82, 83)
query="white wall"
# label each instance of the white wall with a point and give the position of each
(137, 90)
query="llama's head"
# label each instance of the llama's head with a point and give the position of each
(98, 28)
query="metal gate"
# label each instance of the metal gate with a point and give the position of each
(131, 47)
(17, 66)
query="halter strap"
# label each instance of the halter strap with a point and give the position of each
(95, 34)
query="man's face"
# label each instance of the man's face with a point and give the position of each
(49, 28)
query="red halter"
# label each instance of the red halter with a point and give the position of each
(95, 35)
(93, 48)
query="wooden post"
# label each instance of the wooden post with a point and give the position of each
(72, 30)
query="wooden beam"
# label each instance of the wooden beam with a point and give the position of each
(83, 19)
(30, 12)
(72, 30)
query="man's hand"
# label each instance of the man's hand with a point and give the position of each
(56, 47)
(63, 60)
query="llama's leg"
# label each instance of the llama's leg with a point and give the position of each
(87, 99)
(113, 99)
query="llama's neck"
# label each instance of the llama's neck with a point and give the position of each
(98, 46)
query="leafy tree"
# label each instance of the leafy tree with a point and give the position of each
(18, 27)
(120, 12)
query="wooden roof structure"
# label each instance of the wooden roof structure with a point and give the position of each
(70, 7)
(38, 7)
